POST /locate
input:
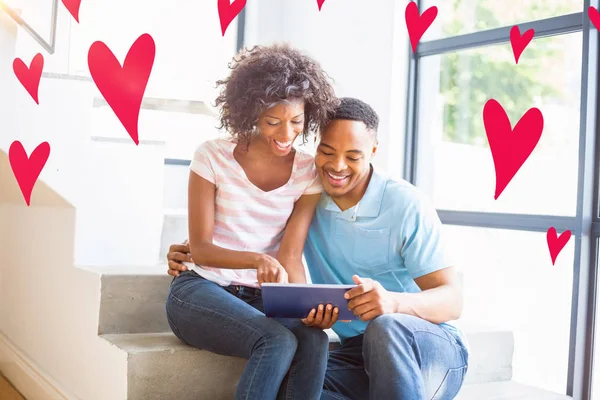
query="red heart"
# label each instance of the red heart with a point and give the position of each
(73, 7)
(556, 244)
(594, 16)
(228, 11)
(123, 87)
(519, 42)
(30, 77)
(510, 148)
(418, 24)
(320, 3)
(27, 169)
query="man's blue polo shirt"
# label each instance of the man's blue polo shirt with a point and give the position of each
(393, 235)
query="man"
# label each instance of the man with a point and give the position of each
(385, 237)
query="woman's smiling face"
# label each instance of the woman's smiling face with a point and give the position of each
(280, 125)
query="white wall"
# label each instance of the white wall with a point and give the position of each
(91, 174)
(49, 309)
(362, 45)
(119, 221)
(7, 43)
(8, 32)
(115, 186)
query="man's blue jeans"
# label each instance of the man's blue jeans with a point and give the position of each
(286, 359)
(399, 357)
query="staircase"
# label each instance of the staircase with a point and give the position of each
(158, 366)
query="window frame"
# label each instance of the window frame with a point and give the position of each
(585, 225)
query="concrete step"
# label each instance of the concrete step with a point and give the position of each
(133, 299)
(491, 353)
(507, 390)
(159, 366)
(133, 302)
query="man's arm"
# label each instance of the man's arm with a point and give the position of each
(441, 299)
(424, 255)
(294, 237)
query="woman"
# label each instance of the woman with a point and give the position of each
(251, 199)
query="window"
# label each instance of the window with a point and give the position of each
(457, 17)
(518, 289)
(452, 139)
(462, 61)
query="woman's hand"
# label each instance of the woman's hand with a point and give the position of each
(268, 270)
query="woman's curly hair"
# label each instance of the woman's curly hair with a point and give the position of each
(266, 75)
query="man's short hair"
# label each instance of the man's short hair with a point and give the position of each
(357, 110)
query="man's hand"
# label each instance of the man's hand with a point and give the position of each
(178, 254)
(369, 299)
(324, 318)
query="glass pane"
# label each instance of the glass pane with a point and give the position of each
(510, 283)
(455, 165)
(457, 17)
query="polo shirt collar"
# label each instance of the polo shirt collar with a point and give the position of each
(370, 204)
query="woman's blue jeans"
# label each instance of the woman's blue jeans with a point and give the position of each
(286, 359)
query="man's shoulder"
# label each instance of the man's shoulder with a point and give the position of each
(402, 195)
(400, 187)
(410, 208)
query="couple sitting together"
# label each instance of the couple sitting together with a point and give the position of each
(257, 205)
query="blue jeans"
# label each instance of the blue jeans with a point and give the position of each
(399, 357)
(286, 359)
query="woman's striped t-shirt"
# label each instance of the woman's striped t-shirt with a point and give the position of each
(246, 217)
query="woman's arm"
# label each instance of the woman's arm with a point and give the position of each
(201, 215)
(292, 244)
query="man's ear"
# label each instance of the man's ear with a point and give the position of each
(375, 148)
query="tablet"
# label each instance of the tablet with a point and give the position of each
(293, 300)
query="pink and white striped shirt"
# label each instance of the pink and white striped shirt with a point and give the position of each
(246, 217)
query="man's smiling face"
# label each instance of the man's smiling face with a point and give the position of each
(344, 156)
